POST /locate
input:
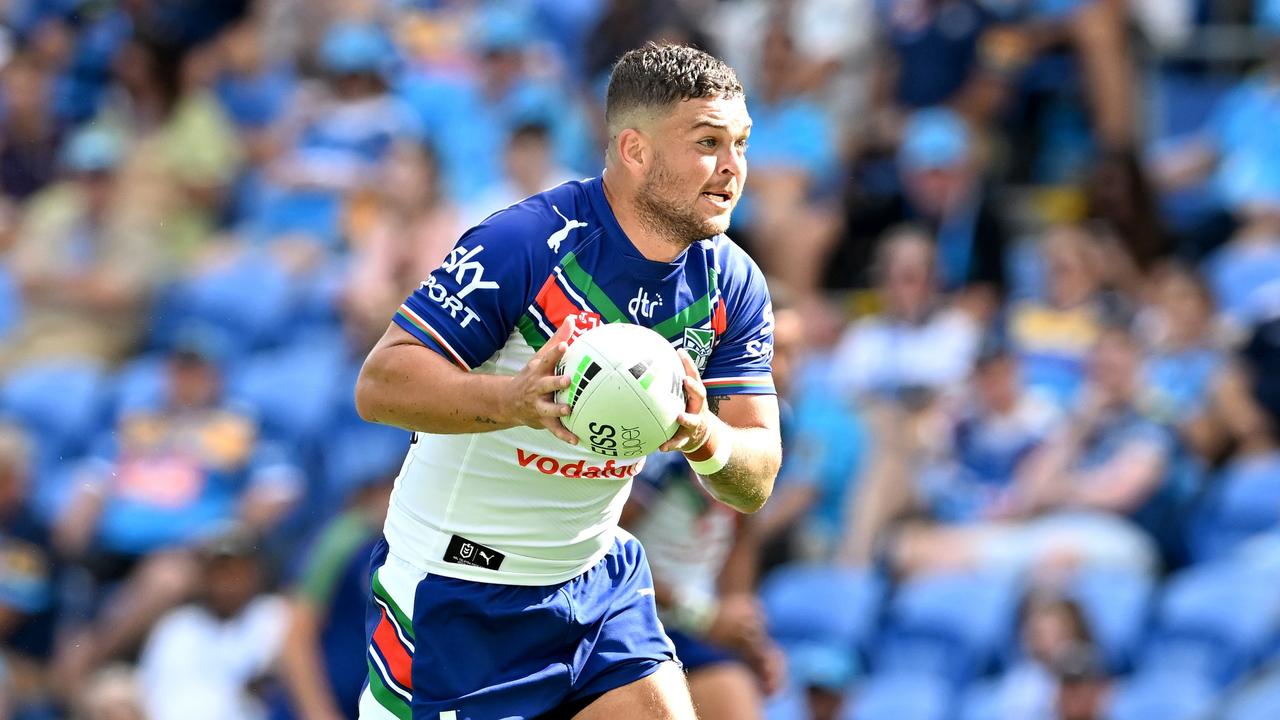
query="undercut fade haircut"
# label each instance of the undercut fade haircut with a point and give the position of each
(656, 77)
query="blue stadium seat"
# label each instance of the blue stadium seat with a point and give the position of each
(10, 301)
(790, 703)
(1215, 621)
(900, 697)
(141, 385)
(1163, 695)
(823, 617)
(1243, 503)
(981, 701)
(954, 625)
(60, 403)
(248, 303)
(1117, 606)
(292, 389)
(1258, 700)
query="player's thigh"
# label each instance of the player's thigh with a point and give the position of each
(725, 691)
(661, 695)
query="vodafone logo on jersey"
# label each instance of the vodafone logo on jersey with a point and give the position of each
(548, 465)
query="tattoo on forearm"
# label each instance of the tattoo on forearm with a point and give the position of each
(714, 404)
(485, 421)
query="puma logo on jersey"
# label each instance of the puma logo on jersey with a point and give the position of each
(558, 236)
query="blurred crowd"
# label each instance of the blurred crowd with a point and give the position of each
(1025, 256)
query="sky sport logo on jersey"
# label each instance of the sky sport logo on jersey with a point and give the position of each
(548, 465)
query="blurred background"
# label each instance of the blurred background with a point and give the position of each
(1026, 259)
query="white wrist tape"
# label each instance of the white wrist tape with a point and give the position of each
(715, 463)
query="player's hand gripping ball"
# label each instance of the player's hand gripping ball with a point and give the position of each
(626, 389)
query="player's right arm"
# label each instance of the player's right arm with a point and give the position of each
(420, 376)
(406, 384)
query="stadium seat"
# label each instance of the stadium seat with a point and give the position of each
(900, 697)
(1259, 700)
(790, 703)
(1117, 606)
(981, 701)
(954, 625)
(1216, 621)
(60, 403)
(823, 617)
(10, 301)
(141, 385)
(1163, 695)
(248, 302)
(292, 389)
(1240, 505)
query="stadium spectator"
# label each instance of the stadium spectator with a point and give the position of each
(111, 694)
(916, 349)
(29, 134)
(952, 468)
(210, 659)
(703, 560)
(401, 229)
(83, 268)
(1084, 686)
(826, 447)
(1084, 497)
(791, 222)
(942, 189)
(1052, 335)
(1184, 356)
(335, 137)
(165, 478)
(1238, 270)
(185, 151)
(29, 576)
(1052, 630)
(529, 167)
(322, 661)
(468, 117)
(1235, 144)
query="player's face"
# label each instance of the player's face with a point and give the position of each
(699, 168)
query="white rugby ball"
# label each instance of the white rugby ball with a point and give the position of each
(626, 389)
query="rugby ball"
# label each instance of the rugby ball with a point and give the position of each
(626, 389)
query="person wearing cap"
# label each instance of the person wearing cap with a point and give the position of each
(958, 472)
(170, 473)
(337, 134)
(83, 269)
(470, 117)
(942, 190)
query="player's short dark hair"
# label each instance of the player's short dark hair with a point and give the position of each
(658, 76)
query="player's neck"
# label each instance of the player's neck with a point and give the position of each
(651, 244)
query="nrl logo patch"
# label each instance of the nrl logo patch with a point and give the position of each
(698, 342)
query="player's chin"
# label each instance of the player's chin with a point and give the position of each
(717, 222)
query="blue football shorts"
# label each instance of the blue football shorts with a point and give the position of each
(441, 648)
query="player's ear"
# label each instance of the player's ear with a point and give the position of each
(633, 150)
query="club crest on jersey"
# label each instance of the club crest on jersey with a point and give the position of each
(698, 343)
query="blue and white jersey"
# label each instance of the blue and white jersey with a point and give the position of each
(518, 506)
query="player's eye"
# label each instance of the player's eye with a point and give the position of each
(742, 144)
(708, 143)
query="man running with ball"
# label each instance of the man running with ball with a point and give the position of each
(505, 590)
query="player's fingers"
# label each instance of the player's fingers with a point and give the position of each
(695, 395)
(549, 384)
(677, 441)
(548, 355)
(557, 428)
(548, 409)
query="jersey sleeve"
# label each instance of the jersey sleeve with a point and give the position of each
(740, 362)
(466, 308)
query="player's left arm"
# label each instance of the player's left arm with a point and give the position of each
(732, 441)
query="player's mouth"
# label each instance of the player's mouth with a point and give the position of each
(722, 199)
